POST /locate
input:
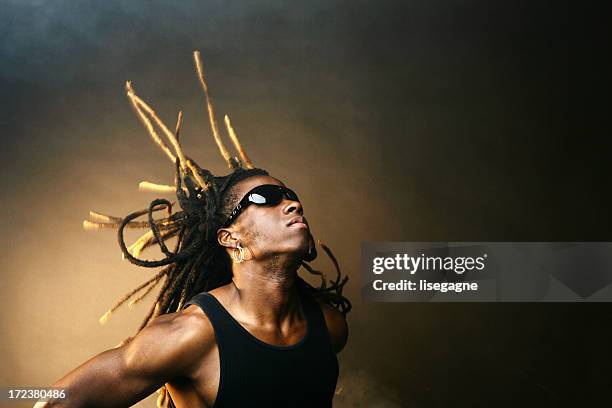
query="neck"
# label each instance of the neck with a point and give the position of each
(265, 293)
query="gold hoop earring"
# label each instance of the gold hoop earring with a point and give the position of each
(239, 258)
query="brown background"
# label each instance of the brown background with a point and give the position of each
(397, 121)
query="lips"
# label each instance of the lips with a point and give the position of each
(297, 222)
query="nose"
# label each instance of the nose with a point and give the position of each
(293, 206)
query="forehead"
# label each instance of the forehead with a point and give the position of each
(244, 186)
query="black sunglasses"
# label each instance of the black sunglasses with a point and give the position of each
(264, 195)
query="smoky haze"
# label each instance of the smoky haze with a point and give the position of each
(394, 121)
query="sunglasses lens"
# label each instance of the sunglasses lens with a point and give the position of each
(257, 199)
(266, 195)
(290, 194)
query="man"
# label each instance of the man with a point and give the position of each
(233, 324)
(263, 300)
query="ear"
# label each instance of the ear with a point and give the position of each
(226, 238)
(312, 250)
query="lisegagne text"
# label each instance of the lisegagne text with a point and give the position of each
(424, 285)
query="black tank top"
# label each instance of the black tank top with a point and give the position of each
(257, 374)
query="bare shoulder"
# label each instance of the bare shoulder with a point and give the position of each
(186, 327)
(174, 342)
(336, 324)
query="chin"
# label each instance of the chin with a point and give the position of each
(299, 250)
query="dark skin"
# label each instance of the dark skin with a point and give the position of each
(179, 349)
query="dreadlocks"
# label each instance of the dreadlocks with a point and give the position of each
(197, 262)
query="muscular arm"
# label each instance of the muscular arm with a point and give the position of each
(170, 346)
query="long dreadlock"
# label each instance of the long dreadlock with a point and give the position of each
(197, 262)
